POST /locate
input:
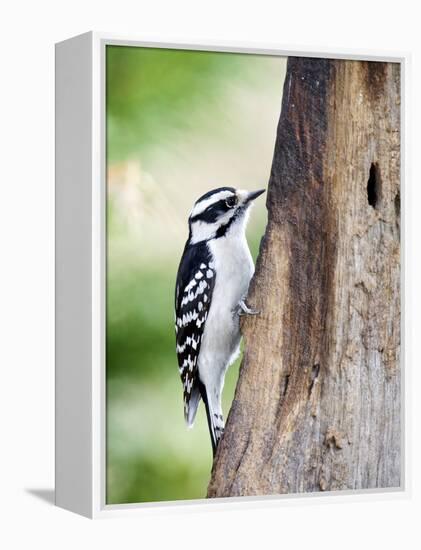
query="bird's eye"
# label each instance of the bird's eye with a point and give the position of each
(231, 201)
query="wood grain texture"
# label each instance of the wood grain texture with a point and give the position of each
(317, 404)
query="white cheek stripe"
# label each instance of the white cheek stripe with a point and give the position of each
(202, 231)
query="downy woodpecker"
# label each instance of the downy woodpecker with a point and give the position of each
(211, 288)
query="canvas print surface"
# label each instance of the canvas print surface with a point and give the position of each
(253, 268)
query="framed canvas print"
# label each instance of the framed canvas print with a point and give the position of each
(228, 274)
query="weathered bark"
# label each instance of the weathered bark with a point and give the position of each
(317, 404)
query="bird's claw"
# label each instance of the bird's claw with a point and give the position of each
(243, 309)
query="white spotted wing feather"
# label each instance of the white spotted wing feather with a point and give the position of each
(194, 287)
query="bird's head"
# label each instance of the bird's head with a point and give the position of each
(220, 212)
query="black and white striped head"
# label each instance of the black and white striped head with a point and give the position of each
(219, 212)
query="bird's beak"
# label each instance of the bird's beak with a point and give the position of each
(254, 194)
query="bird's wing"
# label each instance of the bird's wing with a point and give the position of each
(195, 282)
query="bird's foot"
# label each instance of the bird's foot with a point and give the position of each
(243, 309)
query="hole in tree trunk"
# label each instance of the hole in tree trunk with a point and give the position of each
(398, 212)
(398, 205)
(286, 382)
(374, 185)
(314, 374)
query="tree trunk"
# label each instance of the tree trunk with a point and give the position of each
(317, 404)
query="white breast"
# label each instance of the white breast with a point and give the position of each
(221, 339)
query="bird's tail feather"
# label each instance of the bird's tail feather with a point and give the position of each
(193, 404)
(214, 417)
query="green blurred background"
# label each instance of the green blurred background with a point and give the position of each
(178, 124)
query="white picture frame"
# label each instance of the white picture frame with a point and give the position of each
(80, 276)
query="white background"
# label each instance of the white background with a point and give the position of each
(28, 32)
